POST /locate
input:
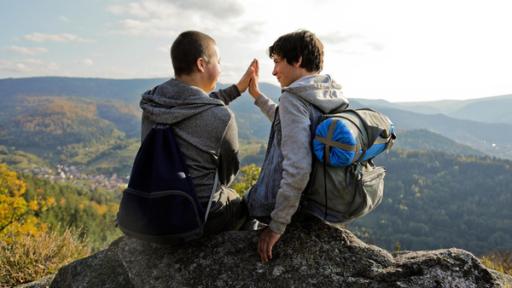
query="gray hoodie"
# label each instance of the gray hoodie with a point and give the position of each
(205, 130)
(288, 160)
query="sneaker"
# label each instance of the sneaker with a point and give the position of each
(253, 225)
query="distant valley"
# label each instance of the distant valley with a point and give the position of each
(492, 138)
(447, 176)
(49, 114)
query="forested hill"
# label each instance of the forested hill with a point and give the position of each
(491, 138)
(117, 101)
(494, 109)
(93, 123)
(425, 140)
(126, 90)
(433, 200)
(439, 194)
(73, 141)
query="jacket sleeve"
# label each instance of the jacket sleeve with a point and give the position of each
(296, 149)
(267, 106)
(226, 95)
(228, 156)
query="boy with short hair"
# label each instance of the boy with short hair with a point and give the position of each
(204, 126)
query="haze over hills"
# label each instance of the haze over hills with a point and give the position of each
(490, 138)
(107, 107)
(120, 95)
(442, 191)
(425, 140)
(496, 109)
(125, 90)
(92, 123)
(128, 90)
(110, 108)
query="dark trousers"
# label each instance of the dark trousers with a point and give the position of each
(230, 214)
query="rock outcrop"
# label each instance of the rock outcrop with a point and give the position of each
(308, 255)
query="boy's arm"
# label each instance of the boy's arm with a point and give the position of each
(226, 95)
(266, 105)
(232, 92)
(228, 157)
(296, 149)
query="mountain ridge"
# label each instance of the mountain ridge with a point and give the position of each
(492, 109)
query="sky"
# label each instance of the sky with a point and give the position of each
(396, 50)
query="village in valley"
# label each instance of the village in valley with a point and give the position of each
(74, 175)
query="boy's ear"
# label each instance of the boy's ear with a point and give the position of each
(297, 64)
(201, 64)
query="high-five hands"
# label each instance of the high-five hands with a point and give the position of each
(253, 85)
(248, 76)
(250, 80)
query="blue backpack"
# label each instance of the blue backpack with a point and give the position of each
(160, 204)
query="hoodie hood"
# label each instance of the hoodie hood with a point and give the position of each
(174, 101)
(319, 90)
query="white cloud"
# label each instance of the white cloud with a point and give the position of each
(64, 37)
(220, 9)
(26, 67)
(133, 9)
(21, 67)
(165, 49)
(165, 18)
(337, 37)
(225, 20)
(6, 67)
(28, 50)
(251, 29)
(87, 62)
(344, 43)
(396, 49)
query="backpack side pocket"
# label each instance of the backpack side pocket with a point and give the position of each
(370, 188)
(162, 217)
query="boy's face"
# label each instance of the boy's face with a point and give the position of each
(285, 73)
(213, 68)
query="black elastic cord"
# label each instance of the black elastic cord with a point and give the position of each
(325, 185)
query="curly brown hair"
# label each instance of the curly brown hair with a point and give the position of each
(303, 43)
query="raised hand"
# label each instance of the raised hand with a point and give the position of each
(247, 77)
(254, 90)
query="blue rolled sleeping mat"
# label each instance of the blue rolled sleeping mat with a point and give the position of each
(352, 136)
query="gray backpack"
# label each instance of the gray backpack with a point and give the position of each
(342, 190)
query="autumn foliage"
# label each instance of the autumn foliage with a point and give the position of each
(17, 214)
(248, 177)
(28, 250)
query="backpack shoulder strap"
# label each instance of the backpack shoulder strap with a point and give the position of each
(215, 184)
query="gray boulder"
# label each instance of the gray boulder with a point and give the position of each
(308, 255)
